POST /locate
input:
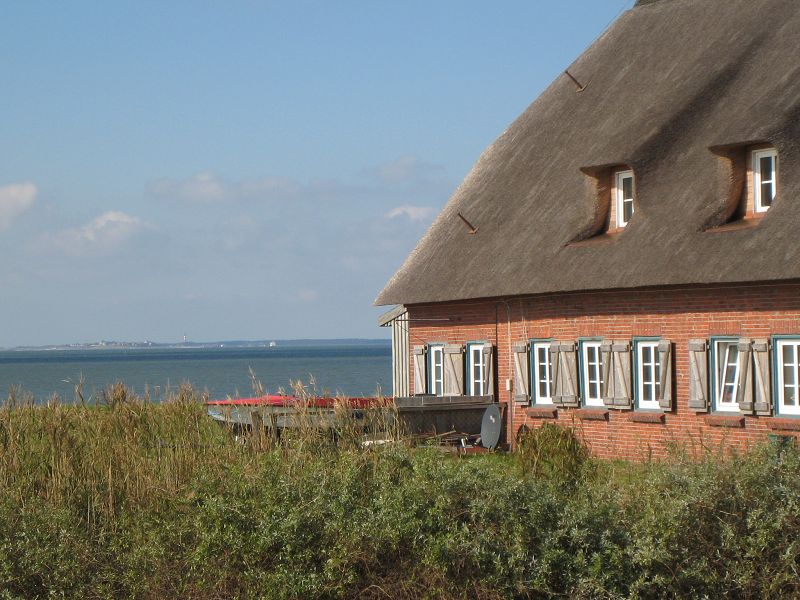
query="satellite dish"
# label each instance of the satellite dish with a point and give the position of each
(491, 426)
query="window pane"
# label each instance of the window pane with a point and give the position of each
(766, 168)
(789, 398)
(542, 358)
(789, 371)
(647, 373)
(627, 210)
(657, 374)
(730, 375)
(788, 353)
(627, 188)
(766, 193)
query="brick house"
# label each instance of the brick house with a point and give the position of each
(625, 258)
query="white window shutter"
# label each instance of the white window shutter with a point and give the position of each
(762, 403)
(488, 370)
(453, 370)
(698, 375)
(565, 374)
(744, 387)
(522, 373)
(665, 382)
(420, 354)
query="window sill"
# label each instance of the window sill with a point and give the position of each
(731, 421)
(592, 414)
(748, 222)
(648, 417)
(606, 237)
(542, 412)
(783, 423)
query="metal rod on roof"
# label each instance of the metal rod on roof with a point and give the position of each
(472, 230)
(577, 83)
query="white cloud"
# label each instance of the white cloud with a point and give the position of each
(209, 187)
(14, 200)
(106, 231)
(405, 169)
(413, 213)
(306, 296)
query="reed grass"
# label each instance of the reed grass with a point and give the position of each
(125, 497)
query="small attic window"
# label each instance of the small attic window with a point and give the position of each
(621, 204)
(748, 178)
(624, 197)
(611, 201)
(764, 179)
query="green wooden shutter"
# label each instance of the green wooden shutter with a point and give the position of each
(698, 375)
(522, 373)
(420, 354)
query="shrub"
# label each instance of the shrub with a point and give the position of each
(134, 499)
(551, 452)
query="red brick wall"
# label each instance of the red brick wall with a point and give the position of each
(677, 314)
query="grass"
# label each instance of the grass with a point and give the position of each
(127, 498)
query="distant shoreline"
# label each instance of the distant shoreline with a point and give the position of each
(145, 345)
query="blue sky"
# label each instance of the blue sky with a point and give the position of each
(247, 169)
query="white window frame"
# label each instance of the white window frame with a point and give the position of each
(436, 386)
(721, 373)
(780, 392)
(475, 386)
(597, 368)
(758, 178)
(620, 199)
(536, 381)
(655, 375)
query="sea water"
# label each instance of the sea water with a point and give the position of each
(352, 370)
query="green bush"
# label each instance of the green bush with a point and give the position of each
(132, 499)
(552, 452)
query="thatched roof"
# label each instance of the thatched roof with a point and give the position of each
(669, 88)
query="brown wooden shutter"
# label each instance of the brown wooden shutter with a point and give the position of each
(621, 351)
(420, 354)
(665, 383)
(488, 370)
(607, 390)
(453, 370)
(565, 374)
(698, 376)
(762, 402)
(744, 387)
(522, 373)
(616, 390)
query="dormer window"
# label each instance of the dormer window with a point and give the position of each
(765, 178)
(623, 188)
(612, 192)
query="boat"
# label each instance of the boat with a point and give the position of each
(416, 414)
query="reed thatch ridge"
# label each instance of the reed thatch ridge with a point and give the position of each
(670, 86)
